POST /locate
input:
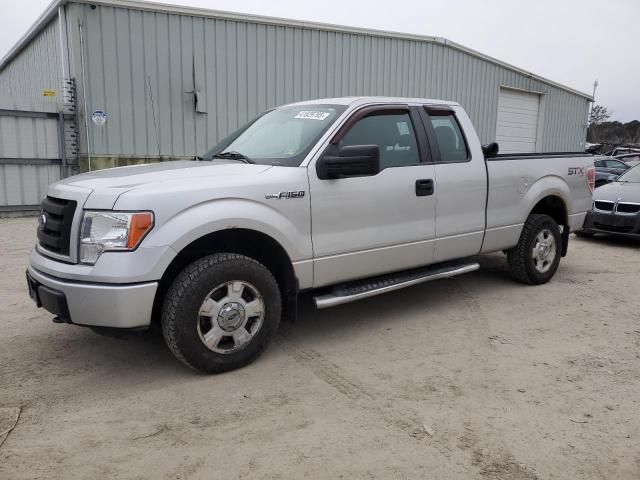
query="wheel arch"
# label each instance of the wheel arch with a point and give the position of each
(252, 243)
(555, 207)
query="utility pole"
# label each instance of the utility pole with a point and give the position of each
(593, 104)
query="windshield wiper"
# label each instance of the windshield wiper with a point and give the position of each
(233, 155)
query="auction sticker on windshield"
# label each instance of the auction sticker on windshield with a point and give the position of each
(312, 115)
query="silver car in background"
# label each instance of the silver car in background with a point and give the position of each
(616, 207)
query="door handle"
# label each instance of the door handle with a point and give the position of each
(424, 187)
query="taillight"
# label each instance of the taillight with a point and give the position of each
(591, 177)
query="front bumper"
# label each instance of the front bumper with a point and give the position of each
(612, 224)
(93, 304)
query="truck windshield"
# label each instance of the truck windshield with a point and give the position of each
(283, 136)
(631, 176)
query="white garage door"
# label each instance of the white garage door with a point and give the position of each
(517, 127)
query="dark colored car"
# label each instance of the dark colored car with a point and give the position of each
(602, 178)
(630, 159)
(608, 169)
(616, 207)
(610, 165)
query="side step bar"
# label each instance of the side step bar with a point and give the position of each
(359, 289)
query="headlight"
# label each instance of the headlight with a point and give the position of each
(115, 231)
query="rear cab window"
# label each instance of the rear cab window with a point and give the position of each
(451, 142)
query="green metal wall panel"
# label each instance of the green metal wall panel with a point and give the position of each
(141, 65)
(37, 68)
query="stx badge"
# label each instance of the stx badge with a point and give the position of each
(576, 171)
(279, 195)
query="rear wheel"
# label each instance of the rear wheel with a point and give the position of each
(536, 257)
(221, 312)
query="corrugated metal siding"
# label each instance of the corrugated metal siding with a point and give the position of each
(25, 184)
(29, 153)
(23, 137)
(38, 67)
(140, 66)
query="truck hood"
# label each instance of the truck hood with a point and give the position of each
(624, 192)
(134, 176)
(107, 185)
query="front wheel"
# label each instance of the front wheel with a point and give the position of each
(221, 312)
(535, 259)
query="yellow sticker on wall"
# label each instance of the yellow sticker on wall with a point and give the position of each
(48, 93)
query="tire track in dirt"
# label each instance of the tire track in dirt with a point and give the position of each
(489, 462)
(478, 326)
(401, 418)
(495, 463)
(328, 371)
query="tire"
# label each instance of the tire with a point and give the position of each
(228, 300)
(532, 267)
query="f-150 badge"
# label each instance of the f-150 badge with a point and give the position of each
(279, 195)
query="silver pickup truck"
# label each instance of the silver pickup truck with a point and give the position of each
(343, 197)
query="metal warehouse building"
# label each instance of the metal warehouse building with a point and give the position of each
(114, 82)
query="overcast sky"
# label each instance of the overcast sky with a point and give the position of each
(572, 42)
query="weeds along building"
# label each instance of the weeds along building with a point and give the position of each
(119, 82)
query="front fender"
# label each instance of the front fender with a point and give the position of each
(293, 233)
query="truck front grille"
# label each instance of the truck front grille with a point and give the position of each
(54, 226)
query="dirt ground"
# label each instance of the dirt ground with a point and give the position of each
(473, 377)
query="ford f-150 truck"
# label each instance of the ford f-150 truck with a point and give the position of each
(344, 197)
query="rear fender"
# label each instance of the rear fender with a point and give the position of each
(550, 185)
(506, 233)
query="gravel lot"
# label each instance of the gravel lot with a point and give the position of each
(474, 377)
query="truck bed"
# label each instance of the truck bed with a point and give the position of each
(516, 186)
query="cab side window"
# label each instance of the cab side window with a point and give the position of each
(453, 148)
(394, 135)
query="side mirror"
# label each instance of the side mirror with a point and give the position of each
(351, 161)
(490, 149)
